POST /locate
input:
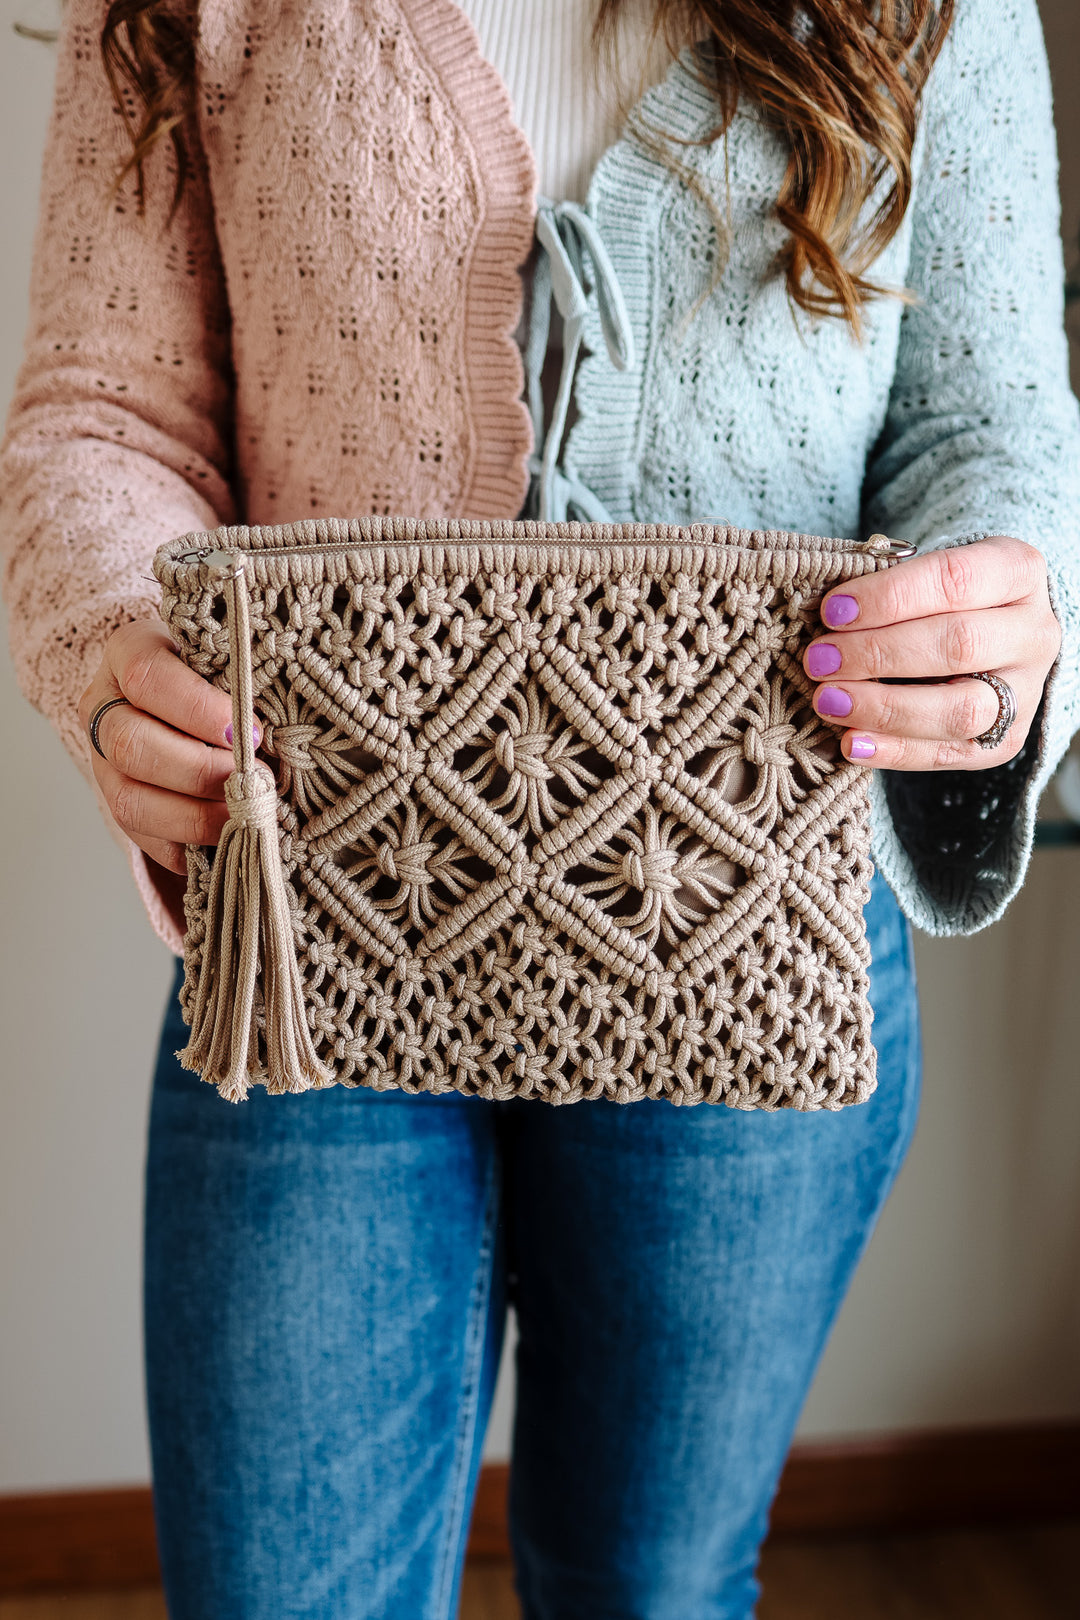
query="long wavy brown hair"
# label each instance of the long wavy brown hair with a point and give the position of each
(840, 79)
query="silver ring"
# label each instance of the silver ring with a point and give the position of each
(1006, 714)
(95, 721)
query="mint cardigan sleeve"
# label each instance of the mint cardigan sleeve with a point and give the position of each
(982, 435)
(119, 434)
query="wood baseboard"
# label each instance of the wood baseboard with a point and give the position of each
(940, 1479)
(82, 1540)
(77, 1541)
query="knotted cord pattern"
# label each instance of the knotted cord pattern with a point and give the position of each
(556, 816)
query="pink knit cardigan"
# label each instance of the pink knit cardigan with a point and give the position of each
(325, 328)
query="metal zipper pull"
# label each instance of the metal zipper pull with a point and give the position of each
(229, 563)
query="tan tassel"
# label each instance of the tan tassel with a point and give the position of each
(248, 921)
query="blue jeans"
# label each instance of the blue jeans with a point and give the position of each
(327, 1279)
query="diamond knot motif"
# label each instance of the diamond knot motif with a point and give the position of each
(564, 835)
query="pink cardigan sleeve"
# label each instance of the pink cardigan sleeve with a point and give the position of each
(119, 433)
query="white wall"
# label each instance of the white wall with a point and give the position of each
(967, 1308)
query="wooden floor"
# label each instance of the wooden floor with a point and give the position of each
(1012, 1574)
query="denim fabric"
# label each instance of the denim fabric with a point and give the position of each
(327, 1278)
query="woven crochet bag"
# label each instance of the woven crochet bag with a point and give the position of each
(538, 811)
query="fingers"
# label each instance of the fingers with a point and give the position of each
(141, 747)
(163, 784)
(893, 753)
(947, 644)
(893, 663)
(147, 671)
(953, 712)
(160, 821)
(141, 664)
(992, 573)
(167, 854)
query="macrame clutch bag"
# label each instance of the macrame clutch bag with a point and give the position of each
(538, 811)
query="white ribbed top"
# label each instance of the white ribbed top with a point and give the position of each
(569, 103)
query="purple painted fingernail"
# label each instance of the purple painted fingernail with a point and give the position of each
(863, 748)
(228, 733)
(840, 610)
(833, 702)
(255, 732)
(823, 659)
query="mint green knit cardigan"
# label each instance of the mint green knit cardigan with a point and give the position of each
(953, 420)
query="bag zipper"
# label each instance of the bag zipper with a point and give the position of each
(230, 562)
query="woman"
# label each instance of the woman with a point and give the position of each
(302, 300)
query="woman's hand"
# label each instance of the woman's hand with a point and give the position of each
(167, 755)
(935, 619)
